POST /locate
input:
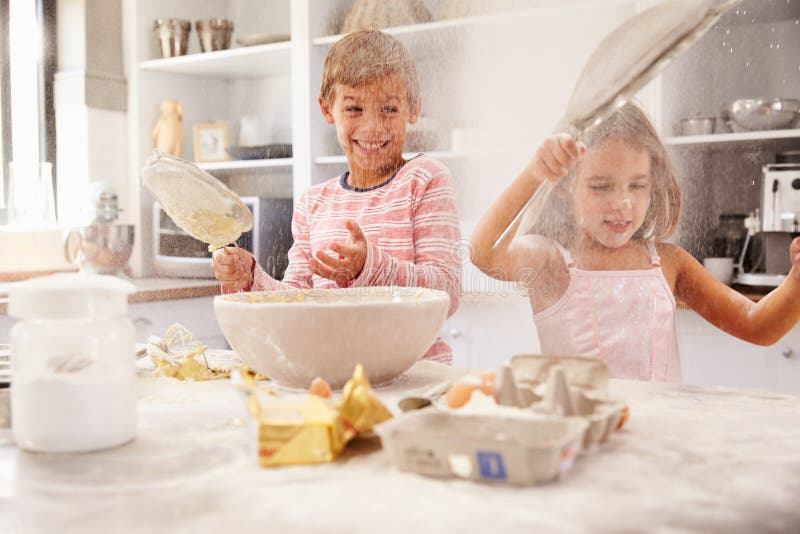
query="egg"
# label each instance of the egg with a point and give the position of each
(626, 413)
(320, 388)
(487, 382)
(459, 394)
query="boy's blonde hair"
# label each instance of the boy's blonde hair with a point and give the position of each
(631, 126)
(365, 55)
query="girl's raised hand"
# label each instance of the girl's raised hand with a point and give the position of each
(794, 255)
(347, 260)
(558, 155)
(233, 267)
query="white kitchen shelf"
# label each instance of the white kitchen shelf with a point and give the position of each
(739, 137)
(167, 231)
(436, 27)
(334, 160)
(241, 164)
(246, 62)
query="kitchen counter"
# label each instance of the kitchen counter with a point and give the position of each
(689, 459)
(152, 289)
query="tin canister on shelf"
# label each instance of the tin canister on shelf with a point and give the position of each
(173, 36)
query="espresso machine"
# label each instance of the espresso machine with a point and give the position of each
(776, 225)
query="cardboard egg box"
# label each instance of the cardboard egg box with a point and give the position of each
(549, 409)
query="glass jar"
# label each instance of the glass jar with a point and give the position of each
(73, 372)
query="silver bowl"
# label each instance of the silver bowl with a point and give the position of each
(697, 126)
(754, 114)
(100, 248)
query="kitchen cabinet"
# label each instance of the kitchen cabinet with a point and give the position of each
(496, 126)
(6, 323)
(487, 330)
(196, 314)
(154, 317)
(711, 357)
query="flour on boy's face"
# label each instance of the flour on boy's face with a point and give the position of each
(371, 120)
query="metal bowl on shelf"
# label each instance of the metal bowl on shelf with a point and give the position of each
(697, 126)
(754, 114)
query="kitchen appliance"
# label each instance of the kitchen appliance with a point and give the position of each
(102, 246)
(177, 254)
(779, 223)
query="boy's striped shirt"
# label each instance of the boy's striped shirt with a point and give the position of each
(412, 230)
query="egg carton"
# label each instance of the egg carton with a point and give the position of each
(547, 386)
(544, 411)
(512, 450)
(583, 372)
(559, 386)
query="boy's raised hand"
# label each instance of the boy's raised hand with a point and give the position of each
(794, 256)
(347, 260)
(558, 155)
(233, 267)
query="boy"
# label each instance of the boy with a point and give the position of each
(385, 221)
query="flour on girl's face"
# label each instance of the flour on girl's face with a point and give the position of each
(611, 193)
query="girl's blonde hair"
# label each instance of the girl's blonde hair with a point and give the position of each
(631, 126)
(365, 55)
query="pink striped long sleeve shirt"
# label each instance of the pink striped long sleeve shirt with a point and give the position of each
(411, 226)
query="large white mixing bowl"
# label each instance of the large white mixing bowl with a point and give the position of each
(294, 336)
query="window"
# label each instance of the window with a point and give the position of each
(27, 117)
(5, 109)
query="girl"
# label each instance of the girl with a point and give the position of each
(601, 281)
(384, 222)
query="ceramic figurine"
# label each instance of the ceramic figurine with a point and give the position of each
(168, 131)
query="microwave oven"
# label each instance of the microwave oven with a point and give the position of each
(177, 254)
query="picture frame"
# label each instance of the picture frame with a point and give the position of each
(210, 142)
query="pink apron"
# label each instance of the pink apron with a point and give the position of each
(625, 318)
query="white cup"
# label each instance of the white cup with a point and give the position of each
(720, 268)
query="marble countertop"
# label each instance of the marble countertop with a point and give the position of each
(690, 459)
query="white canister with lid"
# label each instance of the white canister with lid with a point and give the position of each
(73, 375)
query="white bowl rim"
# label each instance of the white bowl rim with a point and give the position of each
(428, 294)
